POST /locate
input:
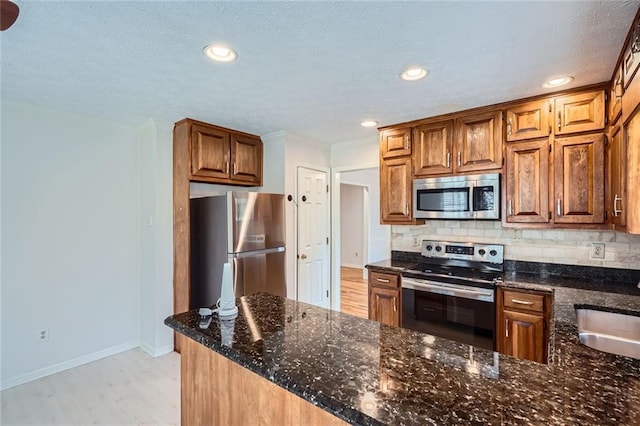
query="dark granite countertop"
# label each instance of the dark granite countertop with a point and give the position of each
(368, 373)
(392, 264)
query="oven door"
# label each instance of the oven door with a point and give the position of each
(450, 313)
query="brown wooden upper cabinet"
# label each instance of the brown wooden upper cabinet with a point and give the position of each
(582, 112)
(478, 142)
(220, 155)
(395, 142)
(433, 148)
(615, 96)
(617, 170)
(527, 182)
(578, 163)
(396, 183)
(631, 59)
(528, 121)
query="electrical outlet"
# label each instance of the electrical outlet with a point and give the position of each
(44, 334)
(416, 240)
(597, 250)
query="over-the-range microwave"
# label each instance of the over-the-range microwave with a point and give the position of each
(457, 197)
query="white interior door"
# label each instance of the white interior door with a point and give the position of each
(313, 237)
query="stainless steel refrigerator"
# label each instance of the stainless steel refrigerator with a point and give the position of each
(247, 230)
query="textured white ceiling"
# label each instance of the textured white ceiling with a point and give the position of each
(313, 68)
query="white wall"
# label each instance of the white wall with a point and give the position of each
(156, 221)
(379, 236)
(353, 153)
(70, 240)
(352, 225)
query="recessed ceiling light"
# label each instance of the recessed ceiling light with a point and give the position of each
(558, 81)
(413, 73)
(220, 53)
(369, 123)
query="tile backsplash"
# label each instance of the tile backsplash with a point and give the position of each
(565, 246)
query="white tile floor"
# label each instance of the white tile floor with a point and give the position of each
(130, 388)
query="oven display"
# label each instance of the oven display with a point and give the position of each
(459, 250)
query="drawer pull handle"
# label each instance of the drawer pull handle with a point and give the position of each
(521, 302)
(382, 280)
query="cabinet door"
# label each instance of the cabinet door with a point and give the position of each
(523, 336)
(433, 148)
(615, 96)
(395, 142)
(210, 150)
(630, 61)
(479, 142)
(246, 154)
(617, 163)
(395, 191)
(632, 139)
(582, 112)
(527, 182)
(528, 121)
(579, 179)
(384, 306)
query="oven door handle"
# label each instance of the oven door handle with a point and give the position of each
(434, 287)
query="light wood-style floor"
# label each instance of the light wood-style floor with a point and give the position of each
(354, 298)
(130, 388)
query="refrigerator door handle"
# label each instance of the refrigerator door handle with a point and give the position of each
(256, 252)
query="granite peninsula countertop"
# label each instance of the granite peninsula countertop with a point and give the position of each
(368, 373)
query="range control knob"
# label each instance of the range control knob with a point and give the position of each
(438, 248)
(493, 252)
(429, 247)
(482, 252)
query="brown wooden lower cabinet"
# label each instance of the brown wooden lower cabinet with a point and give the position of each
(523, 324)
(217, 391)
(385, 302)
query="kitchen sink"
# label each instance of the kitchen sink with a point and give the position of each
(612, 332)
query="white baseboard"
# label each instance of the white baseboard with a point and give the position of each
(156, 352)
(65, 365)
(350, 265)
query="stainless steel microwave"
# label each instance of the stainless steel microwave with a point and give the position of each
(457, 197)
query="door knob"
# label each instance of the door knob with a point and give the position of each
(303, 256)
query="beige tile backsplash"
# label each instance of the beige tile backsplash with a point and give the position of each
(564, 246)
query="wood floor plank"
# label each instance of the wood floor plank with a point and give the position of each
(354, 298)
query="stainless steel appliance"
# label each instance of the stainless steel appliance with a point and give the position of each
(457, 197)
(451, 294)
(246, 229)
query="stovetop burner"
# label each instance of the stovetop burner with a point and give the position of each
(478, 265)
(458, 272)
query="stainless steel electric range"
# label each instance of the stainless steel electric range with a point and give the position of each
(451, 294)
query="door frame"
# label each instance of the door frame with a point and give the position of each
(335, 227)
(326, 170)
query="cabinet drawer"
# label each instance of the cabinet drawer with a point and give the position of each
(381, 279)
(526, 301)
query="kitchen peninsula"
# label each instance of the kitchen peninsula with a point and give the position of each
(363, 372)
